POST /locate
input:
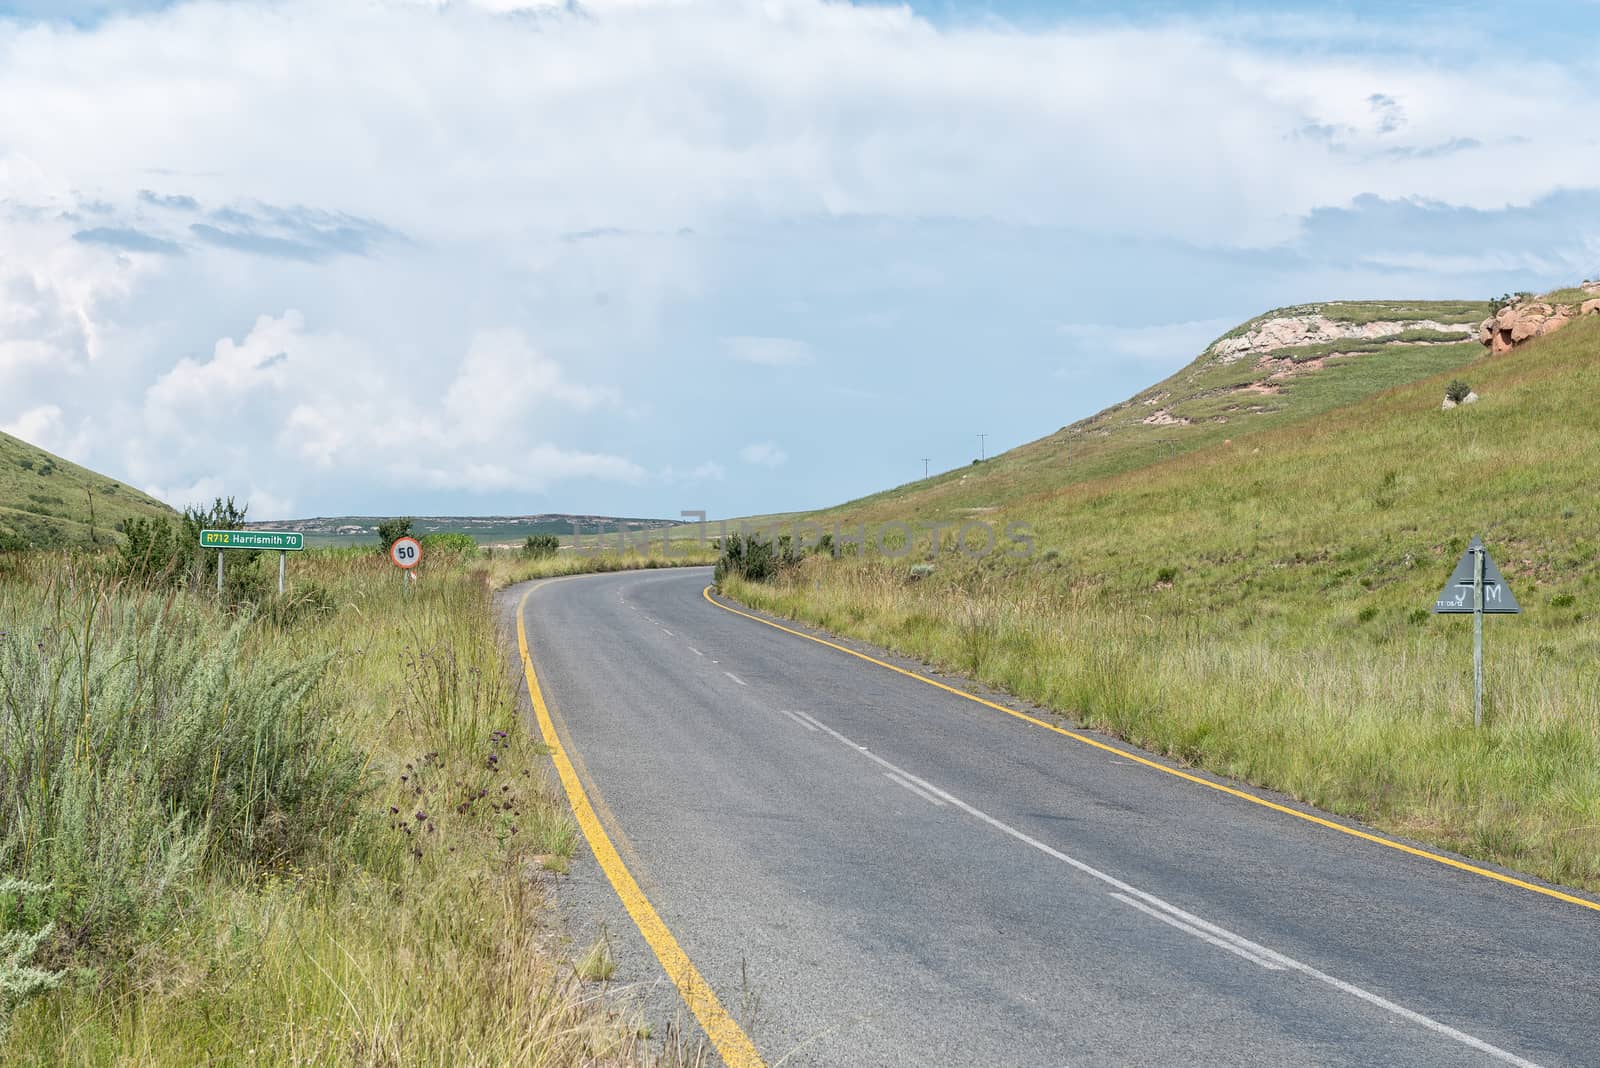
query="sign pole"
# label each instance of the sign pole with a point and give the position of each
(283, 561)
(1477, 638)
(219, 572)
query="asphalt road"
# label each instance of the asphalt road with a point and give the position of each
(869, 871)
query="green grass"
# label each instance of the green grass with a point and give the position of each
(1257, 606)
(507, 569)
(1573, 295)
(313, 834)
(46, 501)
(1221, 401)
(1440, 311)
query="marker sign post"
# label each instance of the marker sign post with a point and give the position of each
(284, 541)
(406, 554)
(1476, 587)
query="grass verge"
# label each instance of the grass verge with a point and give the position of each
(314, 833)
(1260, 609)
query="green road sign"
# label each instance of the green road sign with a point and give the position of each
(278, 540)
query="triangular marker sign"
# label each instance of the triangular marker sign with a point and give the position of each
(1456, 599)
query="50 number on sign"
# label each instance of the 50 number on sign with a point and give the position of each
(406, 553)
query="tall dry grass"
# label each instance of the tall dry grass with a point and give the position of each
(308, 833)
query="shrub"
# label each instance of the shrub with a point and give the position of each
(755, 558)
(392, 530)
(539, 546)
(148, 553)
(1166, 576)
(155, 552)
(1563, 600)
(1457, 391)
(19, 978)
(450, 543)
(143, 746)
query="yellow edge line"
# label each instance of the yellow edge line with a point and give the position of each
(730, 1040)
(1207, 783)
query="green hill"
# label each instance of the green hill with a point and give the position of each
(1257, 602)
(1257, 377)
(46, 501)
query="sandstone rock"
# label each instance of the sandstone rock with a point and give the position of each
(1522, 321)
(1591, 287)
(1470, 398)
(1313, 328)
(1590, 307)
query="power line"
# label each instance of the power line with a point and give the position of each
(925, 467)
(983, 453)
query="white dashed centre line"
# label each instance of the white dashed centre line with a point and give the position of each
(1187, 922)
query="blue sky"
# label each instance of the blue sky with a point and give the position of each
(406, 256)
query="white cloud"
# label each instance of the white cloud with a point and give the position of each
(763, 454)
(41, 426)
(768, 351)
(504, 378)
(492, 224)
(327, 401)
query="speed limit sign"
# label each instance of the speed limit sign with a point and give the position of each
(406, 553)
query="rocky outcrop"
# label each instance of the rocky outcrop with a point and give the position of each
(1470, 398)
(1285, 331)
(1523, 320)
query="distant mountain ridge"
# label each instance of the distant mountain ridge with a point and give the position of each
(360, 529)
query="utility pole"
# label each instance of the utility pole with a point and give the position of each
(982, 447)
(925, 467)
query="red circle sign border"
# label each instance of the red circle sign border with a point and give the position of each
(414, 543)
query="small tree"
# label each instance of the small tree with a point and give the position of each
(541, 545)
(1457, 391)
(392, 530)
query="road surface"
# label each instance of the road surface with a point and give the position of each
(869, 870)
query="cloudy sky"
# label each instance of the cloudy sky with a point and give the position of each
(637, 256)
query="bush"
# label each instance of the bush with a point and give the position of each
(392, 530)
(539, 546)
(449, 543)
(1457, 391)
(155, 552)
(147, 553)
(142, 747)
(756, 559)
(19, 978)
